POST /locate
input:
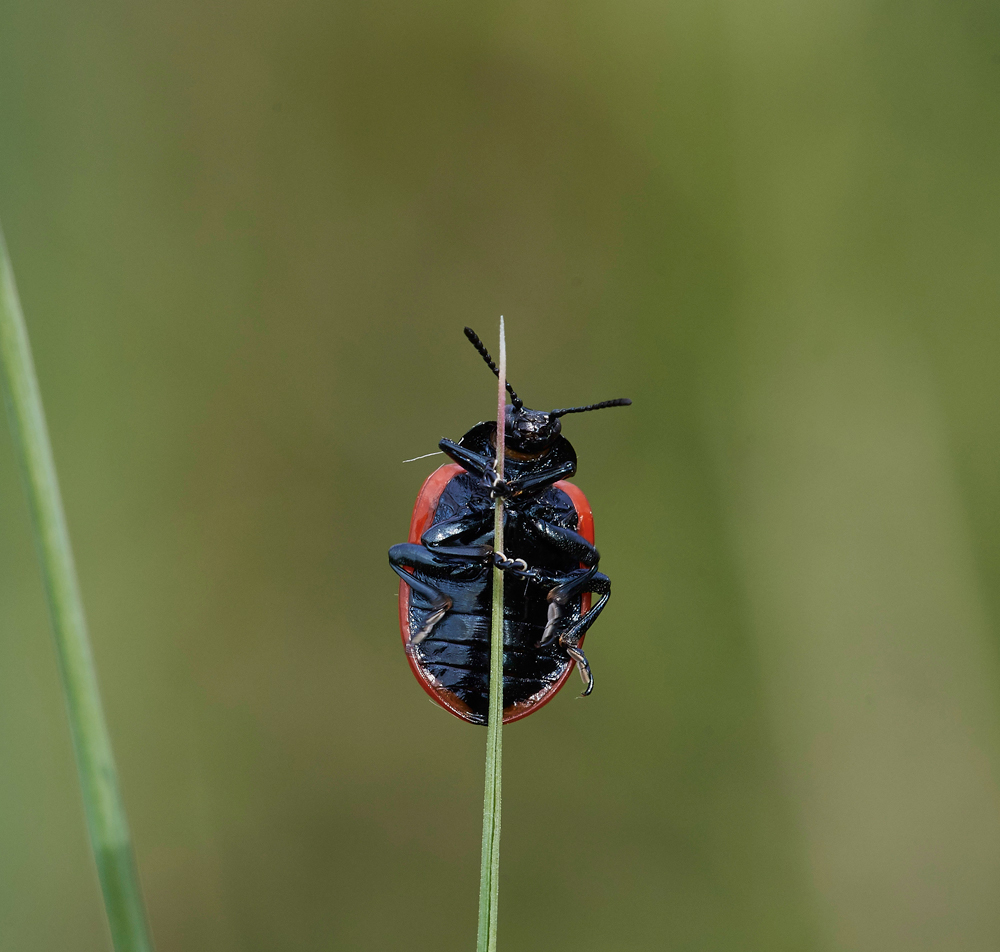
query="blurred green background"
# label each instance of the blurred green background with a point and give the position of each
(247, 237)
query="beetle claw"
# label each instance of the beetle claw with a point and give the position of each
(498, 486)
(583, 666)
(502, 562)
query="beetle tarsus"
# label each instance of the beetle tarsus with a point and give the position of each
(510, 565)
(498, 486)
(583, 666)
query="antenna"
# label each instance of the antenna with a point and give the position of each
(481, 347)
(621, 402)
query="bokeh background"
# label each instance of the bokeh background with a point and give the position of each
(247, 236)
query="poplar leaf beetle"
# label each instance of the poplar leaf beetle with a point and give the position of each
(549, 566)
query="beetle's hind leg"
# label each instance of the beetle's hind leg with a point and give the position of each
(599, 584)
(569, 587)
(583, 666)
(406, 554)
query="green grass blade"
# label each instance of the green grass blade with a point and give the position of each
(489, 873)
(106, 823)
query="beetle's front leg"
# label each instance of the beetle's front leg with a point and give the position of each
(541, 479)
(478, 465)
(475, 463)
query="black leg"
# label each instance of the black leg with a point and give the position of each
(485, 468)
(540, 480)
(583, 666)
(437, 565)
(570, 640)
(576, 583)
(452, 536)
(475, 463)
(405, 554)
(567, 541)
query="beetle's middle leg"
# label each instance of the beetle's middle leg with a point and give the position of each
(565, 540)
(517, 566)
(456, 537)
(416, 556)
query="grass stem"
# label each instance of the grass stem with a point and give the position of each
(489, 874)
(102, 801)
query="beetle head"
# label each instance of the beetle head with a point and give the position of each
(532, 432)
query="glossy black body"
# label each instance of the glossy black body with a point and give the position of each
(456, 654)
(450, 572)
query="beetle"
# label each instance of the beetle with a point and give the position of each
(550, 565)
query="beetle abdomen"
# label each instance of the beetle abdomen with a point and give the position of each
(456, 658)
(452, 662)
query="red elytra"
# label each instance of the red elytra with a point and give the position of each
(423, 515)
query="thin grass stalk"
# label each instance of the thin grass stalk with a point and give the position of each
(102, 801)
(489, 873)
